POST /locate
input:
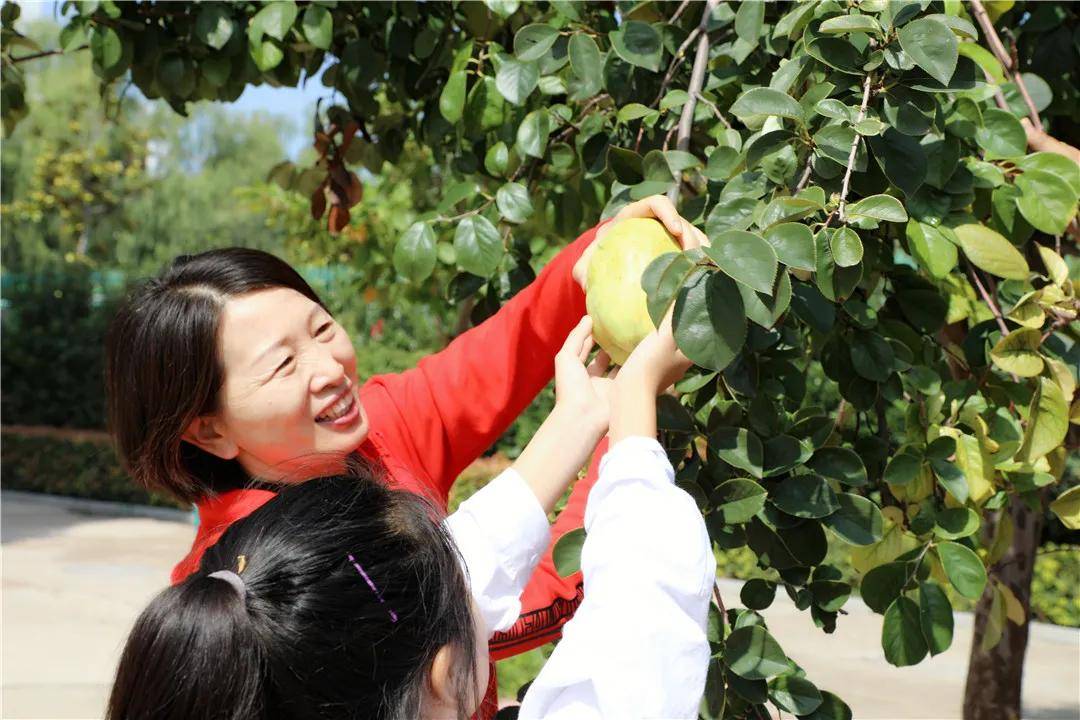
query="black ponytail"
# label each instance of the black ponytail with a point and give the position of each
(193, 653)
(308, 637)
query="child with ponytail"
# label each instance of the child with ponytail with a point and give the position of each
(344, 598)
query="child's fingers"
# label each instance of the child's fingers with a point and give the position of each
(654, 206)
(586, 348)
(599, 365)
(577, 336)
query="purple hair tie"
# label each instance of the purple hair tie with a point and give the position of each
(355, 564)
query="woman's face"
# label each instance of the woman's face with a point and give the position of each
(289, 406)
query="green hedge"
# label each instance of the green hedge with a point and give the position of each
(76, 468)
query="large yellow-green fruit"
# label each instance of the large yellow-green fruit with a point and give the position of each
(614, 297)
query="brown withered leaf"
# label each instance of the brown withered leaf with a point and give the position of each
(318, 201)
(339, 218)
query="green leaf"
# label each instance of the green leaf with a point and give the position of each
(497, 159)
(274, 19)
(633, 111)
(106, 47)
(984, 59)
(1001, 135)
(951, 478)
(963, 568)
(1067, 508)
(931, 249)
(847, 248)
(805, 496)
(1047, 422)
(752, 653)
(883, 584)
(586, 62)
(991, 252)
(516, 80)
(955, 523)
(872, 356)
(831, 707)
(879, 207)
(638, 43)
(567, 552)
(744, 257)
(757, 594)
(452, 99)
(662, 280)
(1054, 164)
(795, 694)
(901, 634)
(935, 617)
(414, 254)
(766, 101)
(763, 309)
(1018, 352)
(478, 246)
(709, 321)
(1047, 201)
(318, 26)
(793, 244)
(858, 521)
(840, 464)
(850, 24)
(902, 159)
(533, 41)
(513, 202)
(932, 46)
(902, 469)
(532, 134)
(266, 54)
(213, 25)
(749, 19)
(739, 448)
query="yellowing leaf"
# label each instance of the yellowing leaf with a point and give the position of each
(894, 543)
(1064, 377)
(1067, 508)
(1013, 609)
(1056, 269)
(991, 252)
(1047, 422)
(1027, 312)
(1003, 538)
(976, 464)
(1018, 353)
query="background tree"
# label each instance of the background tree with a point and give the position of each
(885, 324)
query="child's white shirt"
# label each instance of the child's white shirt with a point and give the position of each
(636, 647)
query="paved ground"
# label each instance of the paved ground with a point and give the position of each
(73, 582)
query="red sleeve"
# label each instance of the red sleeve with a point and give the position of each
(550, 600)
(445, 412)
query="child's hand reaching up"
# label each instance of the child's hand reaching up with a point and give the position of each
(654, 365)
(583, 392)
(563, 443)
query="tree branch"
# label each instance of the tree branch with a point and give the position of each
(855, 144)
(43, 53)
(697, 80)
(998, 48)
(974, 275)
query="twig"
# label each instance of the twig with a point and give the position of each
(974, 275)
(697, 80)
(719, 600)
(676, 61)
(998, 48)
(806, 173)
(674, 18)
(44, 53)
(716, 111)
(855, 144)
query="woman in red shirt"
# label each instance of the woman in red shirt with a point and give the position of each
(226, 376)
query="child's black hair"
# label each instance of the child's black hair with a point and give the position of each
(308, 638)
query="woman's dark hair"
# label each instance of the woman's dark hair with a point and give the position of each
(309, 638)
(163, 365)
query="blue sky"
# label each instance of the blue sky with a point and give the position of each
(296, 104)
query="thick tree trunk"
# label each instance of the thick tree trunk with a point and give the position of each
(994, 677)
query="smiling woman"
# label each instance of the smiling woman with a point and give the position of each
(227, 378)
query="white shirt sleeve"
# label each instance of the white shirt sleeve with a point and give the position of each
(636, 647)
(501, 532)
